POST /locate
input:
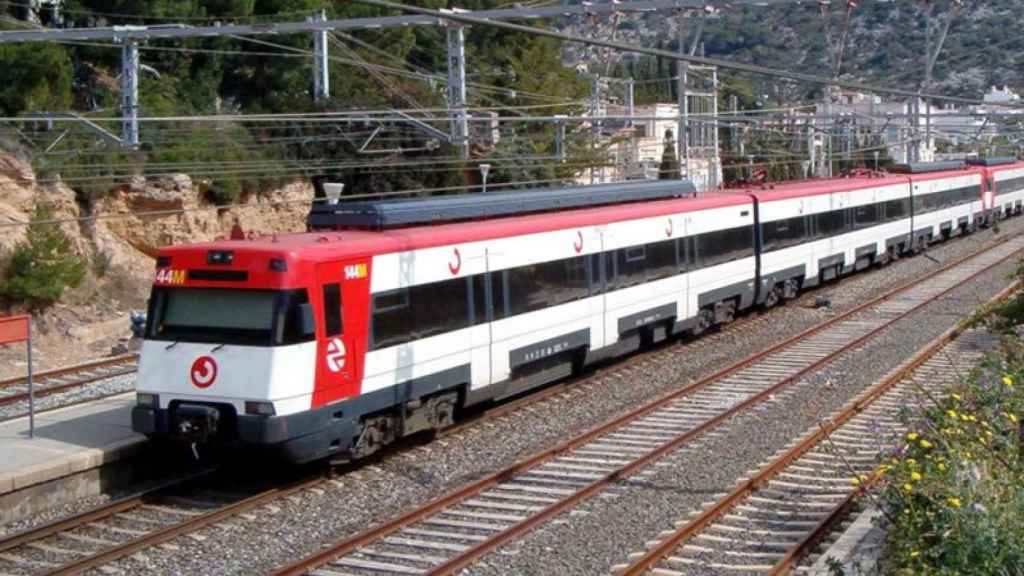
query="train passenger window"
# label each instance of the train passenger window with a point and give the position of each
(661, 259)
(596, 278)
(499, 305)
(632, 265)
(780, 234)
(419, 312)
(479, 298)
(866, 215)
(293, 318)
(725, 245)
(897, 209)
(332, 309)
(538, 286)
(830, 223)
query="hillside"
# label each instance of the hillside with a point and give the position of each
(886, 43)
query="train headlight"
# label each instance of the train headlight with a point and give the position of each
(147, 400)
(260, 408)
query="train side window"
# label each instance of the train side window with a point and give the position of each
(866, 215)
(661, 259)
(780, 234)
(596, 278)
(896, 209)
(420, 312)
(499, 304)
(478, 290)
(332, 309)
(830, 223)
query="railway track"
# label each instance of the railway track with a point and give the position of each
(132, 524)
(790, 504)
(14, 390)
(453, 531)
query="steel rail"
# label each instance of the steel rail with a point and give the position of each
(98, 513)
(469, 556)
(59, 373)
(654, 555)
(190, 525)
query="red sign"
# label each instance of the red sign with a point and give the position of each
(204, 371)
(14, 329)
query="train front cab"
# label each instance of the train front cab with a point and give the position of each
(257, 362)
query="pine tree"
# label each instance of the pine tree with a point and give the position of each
(669, 167)
(42, 266)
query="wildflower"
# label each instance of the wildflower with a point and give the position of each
(912, 436)
(988, 433)
(1008, 381)
(953, 501)
(855, 481)
(1012, 417)
(915, 553)
(911, 461)
(941, 466)
(925, 444)
(955, 396)
(908, 487)
(965, 417)
(952, 413)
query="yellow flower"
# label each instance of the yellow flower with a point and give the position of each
(915, 554)
(955, 396)
(911, 461)
(908, 487)
(953, 501)
(915, 476)
(855, 481)
(925, 444)
(941, 466)
(988, 433)
(912, 436)
(1008, 381)
(965, 417)
(1012, 417)
(952, 413)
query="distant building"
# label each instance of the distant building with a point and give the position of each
(997, 96)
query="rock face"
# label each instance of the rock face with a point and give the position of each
(119, 240)
(180, 214)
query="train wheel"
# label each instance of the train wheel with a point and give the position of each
(773, 297)
(705, 320)
(790, 288)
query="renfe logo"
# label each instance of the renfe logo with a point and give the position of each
(204, 371)
(578, 244)
(455, 266)
(335, 355)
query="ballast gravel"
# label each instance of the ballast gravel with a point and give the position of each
(604, 530)
(90, 391)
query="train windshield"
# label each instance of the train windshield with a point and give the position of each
(226, 316)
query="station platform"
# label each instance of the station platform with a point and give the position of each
(63, 461)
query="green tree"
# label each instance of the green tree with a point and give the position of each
(36, 77)
(42, 266)
(669, 167)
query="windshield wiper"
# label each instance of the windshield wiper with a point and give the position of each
(218, 347)
(171, 345)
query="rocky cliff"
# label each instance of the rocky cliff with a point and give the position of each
(119, 238)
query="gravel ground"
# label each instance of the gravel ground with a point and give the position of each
(298, 525)
(602, 532)
(105, 387)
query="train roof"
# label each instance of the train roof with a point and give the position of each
(331, 245)
(400, 212)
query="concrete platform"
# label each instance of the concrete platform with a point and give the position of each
(63, 461)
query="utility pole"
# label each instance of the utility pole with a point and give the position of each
(716, 157)
(321, 73)
(560, 137)
(683, 125)
(130, 94)
(629, 102)
(595, 111)
(457, 89)
(812, 168)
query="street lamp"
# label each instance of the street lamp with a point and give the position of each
(485, 169)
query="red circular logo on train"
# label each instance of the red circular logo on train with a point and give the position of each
(578, 244)
(456, 265)
(204, 371)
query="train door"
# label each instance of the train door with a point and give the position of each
(683, 248)
(601, 271)
(342, 290)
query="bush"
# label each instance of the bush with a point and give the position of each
(955, 493)
(43, 266)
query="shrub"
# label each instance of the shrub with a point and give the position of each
(955, 491)
(42, 266)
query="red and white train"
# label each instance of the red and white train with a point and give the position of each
(389, 317)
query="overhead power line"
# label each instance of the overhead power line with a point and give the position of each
(718, 62)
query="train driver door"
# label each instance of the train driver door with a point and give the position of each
(337, 327)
